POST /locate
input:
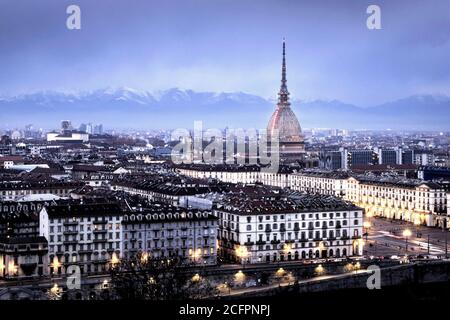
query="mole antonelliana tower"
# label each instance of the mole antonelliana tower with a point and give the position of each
(291, 141)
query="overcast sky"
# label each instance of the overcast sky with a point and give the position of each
(232, 45)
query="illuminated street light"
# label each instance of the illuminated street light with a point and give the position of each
(55, 292)
(319, 270)
(196, 277)
(239, 276)
(280, 272)
(348, 267)
(223, 288)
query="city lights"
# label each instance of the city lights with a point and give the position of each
(224, 152)
(114, 259)
(319, 270)
(196, 277)
(239, 277)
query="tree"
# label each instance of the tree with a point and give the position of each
(144, 278)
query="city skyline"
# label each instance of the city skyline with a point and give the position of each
(224, 157)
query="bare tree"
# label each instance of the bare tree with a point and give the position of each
(144, 278)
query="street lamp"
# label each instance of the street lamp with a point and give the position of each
(319, 270)
(407, 233)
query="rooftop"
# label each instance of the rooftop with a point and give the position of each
(263, 200)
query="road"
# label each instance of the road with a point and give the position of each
(386, 239)
(240, 291)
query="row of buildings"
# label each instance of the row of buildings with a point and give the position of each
(93, 234)
(238, 223)
(412, 200)
(350, 158)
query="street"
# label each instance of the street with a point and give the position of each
(386, 238)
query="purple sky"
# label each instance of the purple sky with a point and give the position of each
(232, 45)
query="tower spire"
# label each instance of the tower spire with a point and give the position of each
(283, 94)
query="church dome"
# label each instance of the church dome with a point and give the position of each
(286, 122)
(284, 119)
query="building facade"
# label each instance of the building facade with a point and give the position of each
(86, 235)
(424, 203)
(272, 226)
(162, 231)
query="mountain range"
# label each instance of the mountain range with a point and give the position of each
(173, 108)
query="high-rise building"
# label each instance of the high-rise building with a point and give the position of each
(291, 141)
(361, 157)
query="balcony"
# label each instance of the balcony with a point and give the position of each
(70, 232)
(268, 230)
(249, 243)
(70, 242)
(100, 231)
(260, 242)
(70, 223)
(275, 241)
(100, 222)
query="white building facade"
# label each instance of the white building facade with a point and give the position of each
(190, 236)
(85, 235)
(415, 201)
(277, 229)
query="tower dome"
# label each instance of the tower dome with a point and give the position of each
(291, 141)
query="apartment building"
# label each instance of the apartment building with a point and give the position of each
(258, 224)
(85, 234)
(164, 231)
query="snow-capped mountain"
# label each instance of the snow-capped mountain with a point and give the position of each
(127, 107)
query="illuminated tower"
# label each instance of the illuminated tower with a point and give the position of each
(291, 141)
